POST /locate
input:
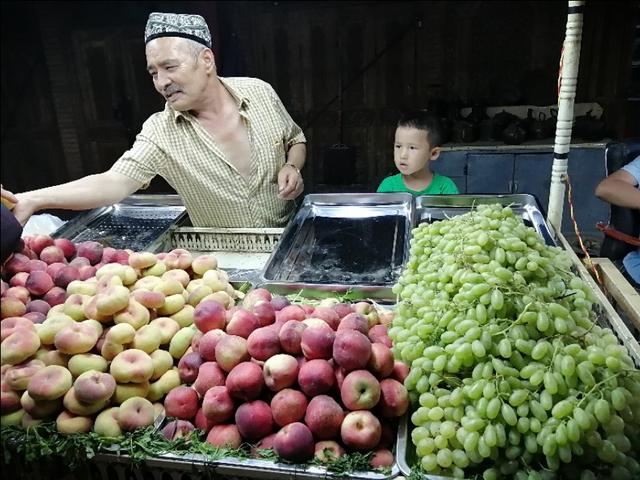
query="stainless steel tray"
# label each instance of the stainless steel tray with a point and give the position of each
(230, 468)
(431, 208)
(352, 293)
(347, 239)
(139, 222)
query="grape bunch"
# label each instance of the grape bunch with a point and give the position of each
(511, 376)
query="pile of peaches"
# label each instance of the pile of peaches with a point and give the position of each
(108, 340)
(91, 336)
(302, 380)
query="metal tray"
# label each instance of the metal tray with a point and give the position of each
(606, 317)
(347, 239)
(431, 208)
(352, 293)
(139, 222)
(231, 468)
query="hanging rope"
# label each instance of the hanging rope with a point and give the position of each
(588, 261)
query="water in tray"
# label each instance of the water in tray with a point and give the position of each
(350, 251)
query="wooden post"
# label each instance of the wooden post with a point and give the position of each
(567, 84)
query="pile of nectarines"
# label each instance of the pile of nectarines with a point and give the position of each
(302, 380)
(103, 340)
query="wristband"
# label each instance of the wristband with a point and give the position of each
(294, 167)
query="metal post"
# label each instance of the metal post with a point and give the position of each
(567, 83)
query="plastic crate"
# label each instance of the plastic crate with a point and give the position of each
(249, 240)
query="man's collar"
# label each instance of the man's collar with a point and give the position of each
(241, 100)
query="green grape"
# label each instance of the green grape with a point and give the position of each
(618, 399)
(550, 445)
(471, 441)
(615, 424)
(560, 324)
(535, 425)
(504, 348)
(523, 424)
(546, 400)
(429, 462)
(518, 397)
(493, 408)
(440, 442)
(607, 452)
(573, 430)
(561, 434)
(562, 409)
(425, 446)
(602, 411)
(508, 414)
(428, 400)
(490, 437)
(550, 383)
(483, 448)
(537, 377)
(581, 418)
(584, 373)
(564, 453)
(497, 299)
(448, 429)
(621, 442)
(435, 413)
(478, 349)
(460, 458)
(541, 350)
(568, 366)
(472, 424)
(444, 458)
(491, 474)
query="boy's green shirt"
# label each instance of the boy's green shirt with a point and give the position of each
(440, 185)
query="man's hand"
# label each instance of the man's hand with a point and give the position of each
(290, 183)
(24, 208)
(20, 204)
(619, 189)
(8, 198)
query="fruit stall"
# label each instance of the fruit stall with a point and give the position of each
(377, 336)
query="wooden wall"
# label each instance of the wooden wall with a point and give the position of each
(75, 90)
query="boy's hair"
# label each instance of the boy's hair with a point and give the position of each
(423, 120)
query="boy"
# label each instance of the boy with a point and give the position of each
(417, 143)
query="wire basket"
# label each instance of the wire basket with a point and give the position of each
(249, 240)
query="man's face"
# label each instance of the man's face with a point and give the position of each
(412, 151)
(177, 75)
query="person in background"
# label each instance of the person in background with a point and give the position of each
(227, 145)
(417, 143)
(11, 228)
(622, 188)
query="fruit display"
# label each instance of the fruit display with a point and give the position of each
(92, 337)
(511, 374)
(104, 342)
(304, 380)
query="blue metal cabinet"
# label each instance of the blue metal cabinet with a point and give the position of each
(490, 172)
(586, 170)
(454, 166)
(532, 174)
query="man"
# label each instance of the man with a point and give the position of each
(11, 229)
(621, 188)
(227, 145)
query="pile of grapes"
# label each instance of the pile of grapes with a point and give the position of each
(510, 377)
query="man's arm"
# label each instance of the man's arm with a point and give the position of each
(297, 154)
(290, 182)
(85, 193)
(619, 189)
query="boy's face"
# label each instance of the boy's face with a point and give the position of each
(412, 151)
